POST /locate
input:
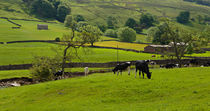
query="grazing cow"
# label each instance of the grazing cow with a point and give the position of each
(59, 73)
(152, 63)
(142, 66)
(206, 64)
(121, 67)
(170, 65)
(153, 55)
(194, 61)
(162, 66)
(186, 65)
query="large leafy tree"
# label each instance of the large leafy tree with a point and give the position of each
(91, 33)
(43, 8)
(182, 40)
(147, 20)
(131, 23)
(126, 34)
(62, 11)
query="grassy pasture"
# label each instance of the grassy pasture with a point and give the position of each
(207, 54)
(14, 73)
(23, 53)
(29, 31)
(184, 89)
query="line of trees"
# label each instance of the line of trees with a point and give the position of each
(48, 9)
(202, 2)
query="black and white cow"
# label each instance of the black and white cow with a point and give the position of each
(142, 66)
(59, 73)
(121, 67)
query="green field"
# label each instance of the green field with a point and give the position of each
(29, 31)
(184, 89)
(23, 53)
(14, 73)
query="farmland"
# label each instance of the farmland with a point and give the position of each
(23, 53)
(177, 89)
(181, 89)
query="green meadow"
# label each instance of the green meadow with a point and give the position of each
(23, 53)
(179, 89)
(29, 31)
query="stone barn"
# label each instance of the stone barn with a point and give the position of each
(158, 48)
(42, 27)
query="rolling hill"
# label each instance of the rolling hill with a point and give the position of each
(96, 11)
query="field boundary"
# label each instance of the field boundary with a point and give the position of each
(11, 21)
(27, 20)
(48, 41)
(99, 65)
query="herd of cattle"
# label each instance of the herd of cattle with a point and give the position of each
(142, 67)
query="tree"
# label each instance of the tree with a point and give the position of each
(62, 11)
(43, 8)
(79, 18)
(102, 27)
(91, 33)
(156, 34)
(181, 40)
(111, 22)
(81, 24)
(147, 20)
(183, 17)
(131, 23)
(87, 34)
(111, 33)
(126, 34)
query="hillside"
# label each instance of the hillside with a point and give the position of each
(96, 11)
(183, 89)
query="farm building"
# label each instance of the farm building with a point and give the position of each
(42, 27)
(158, 48)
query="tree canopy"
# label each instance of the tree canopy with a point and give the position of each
(126, 34)
(147, 20)
(183, 17)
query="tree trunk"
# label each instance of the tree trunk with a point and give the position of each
(64, 59)
(92, 44)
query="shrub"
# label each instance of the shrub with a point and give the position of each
(43, 68)
(110, 33)
(57, 39)
(126, 34)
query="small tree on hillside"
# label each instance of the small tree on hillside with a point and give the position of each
(111, 22)
(126, 34)
(183, 17)
(147, 20)
(91, 33)
(131, 23)
(111, 33)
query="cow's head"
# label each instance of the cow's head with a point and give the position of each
(149, 75)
